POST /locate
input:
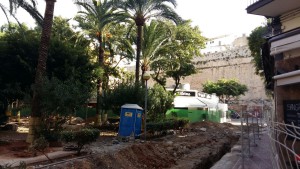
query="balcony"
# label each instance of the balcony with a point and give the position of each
(271, 8)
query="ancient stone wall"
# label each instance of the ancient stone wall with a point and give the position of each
(235, 63)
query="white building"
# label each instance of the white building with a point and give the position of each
(223, 43)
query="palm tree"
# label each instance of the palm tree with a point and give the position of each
(10, 10)
(29, 7)
(41, 70)
(95, 17)
(42, 59)
(155, 38)
(142, 10)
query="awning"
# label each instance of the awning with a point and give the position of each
(288, 78)
(286, 44)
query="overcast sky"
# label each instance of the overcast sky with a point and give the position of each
(214, 17)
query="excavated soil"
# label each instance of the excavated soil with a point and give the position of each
(198, 146)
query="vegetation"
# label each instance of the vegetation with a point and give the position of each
(263, 62)
(67, 60)
(94, 19)
(40, 75)
(58, 76)
(159, 101)
(255, 42)
(30, 7)
(81, 137)
(174, 59)
(226, 89)
(40, 145)
(169, 124)
(141, 11)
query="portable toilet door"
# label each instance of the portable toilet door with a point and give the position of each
(130, 120)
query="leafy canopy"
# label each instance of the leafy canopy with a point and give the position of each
(225, 88)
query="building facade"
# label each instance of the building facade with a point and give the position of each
(283, 46)
(281, 55)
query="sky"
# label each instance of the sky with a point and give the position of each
(213, 17)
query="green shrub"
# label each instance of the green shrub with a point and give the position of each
(81, 137)
(51, 127)
(159, 101)
(40, 144)
(123, 93)
(168, 124)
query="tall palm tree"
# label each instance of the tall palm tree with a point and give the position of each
(43, 51)
(142, 10)
(155, 38)
(95, 17)
(41, 70)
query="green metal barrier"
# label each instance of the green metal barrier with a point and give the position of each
(195, 115)
(214, 116)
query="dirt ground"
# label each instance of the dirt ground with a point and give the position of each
(200, 145)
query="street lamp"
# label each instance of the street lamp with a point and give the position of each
(146, 77)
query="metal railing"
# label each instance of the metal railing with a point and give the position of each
(285, 141)
(251, 129)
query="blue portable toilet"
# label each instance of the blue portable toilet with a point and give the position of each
(130, 120)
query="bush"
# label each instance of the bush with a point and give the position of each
(40, 144)
(123, 93)
(81, 137)
(51, 127)
(159, 101)
(166, 125)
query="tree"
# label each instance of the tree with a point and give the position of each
(68, 58)
(156, 36)
(175, 58)
(180, 69)
(30, 7)
(17, 60)
(97, 15)
(159, 102)
(41, 70)
(226, 89)
(140, 11)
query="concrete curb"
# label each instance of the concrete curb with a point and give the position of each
(54, 155)
(229, 160)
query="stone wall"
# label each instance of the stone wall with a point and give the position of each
(236, 63)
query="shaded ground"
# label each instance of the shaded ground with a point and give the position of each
(198, 146)
(13, 145)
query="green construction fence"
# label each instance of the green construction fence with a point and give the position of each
(195, 115)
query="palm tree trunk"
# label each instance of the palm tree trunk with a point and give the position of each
(41, 71)
(99, 81)
(138, 53)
